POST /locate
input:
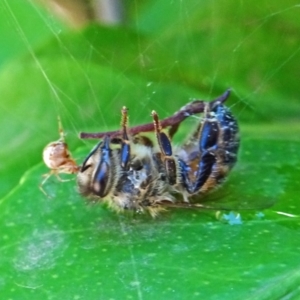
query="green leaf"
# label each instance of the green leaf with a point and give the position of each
(63, 248)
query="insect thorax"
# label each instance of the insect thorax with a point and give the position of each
(140, 186)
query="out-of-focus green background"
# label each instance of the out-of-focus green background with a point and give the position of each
(159, 55)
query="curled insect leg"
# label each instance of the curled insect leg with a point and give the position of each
(125, 147)
(198, 172)
(166, 150)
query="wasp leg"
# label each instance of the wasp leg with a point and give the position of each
(207, 137)
(166, 150)
(125, 148)
(172, 130)
(217, 145)
(230, 133)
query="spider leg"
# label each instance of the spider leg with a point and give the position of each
(47, 176)
(60, 130)
(60, 179)
(166, 150)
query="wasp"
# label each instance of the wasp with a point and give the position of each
(129, 171)
(58, 158)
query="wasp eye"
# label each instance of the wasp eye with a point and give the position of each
(101, 179)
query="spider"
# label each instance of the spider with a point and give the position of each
(58, 159)
(128, 172)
